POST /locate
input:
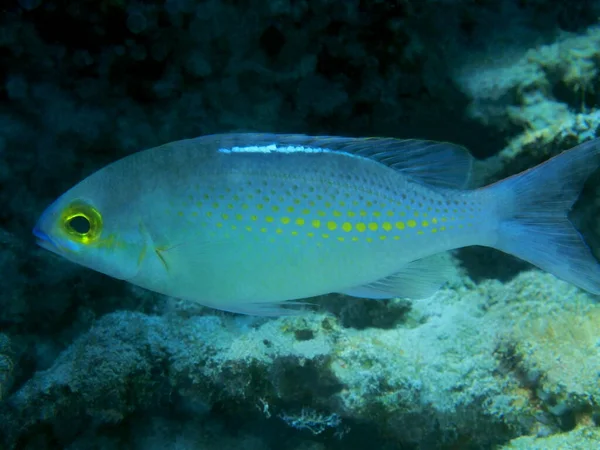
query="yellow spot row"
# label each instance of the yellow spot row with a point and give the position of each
(347, 227)
(310, 234)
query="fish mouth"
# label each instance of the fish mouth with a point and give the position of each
(45, 241)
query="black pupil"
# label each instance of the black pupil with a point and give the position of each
(80, 224)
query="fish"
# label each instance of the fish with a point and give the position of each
(254, 223)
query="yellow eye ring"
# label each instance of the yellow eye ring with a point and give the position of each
(82, 222)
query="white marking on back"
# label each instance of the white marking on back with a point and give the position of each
(274, 148)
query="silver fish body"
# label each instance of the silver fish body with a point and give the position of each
(244, 222)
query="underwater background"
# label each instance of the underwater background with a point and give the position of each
(503, 357)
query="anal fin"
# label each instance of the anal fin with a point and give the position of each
(417, 279)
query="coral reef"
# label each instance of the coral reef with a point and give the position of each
(578, 439)
(548, 92)
(473, 369)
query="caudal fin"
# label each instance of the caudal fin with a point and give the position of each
(533, 208)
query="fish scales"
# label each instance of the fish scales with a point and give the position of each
(337, 220)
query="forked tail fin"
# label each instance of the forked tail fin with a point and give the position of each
(533, 208)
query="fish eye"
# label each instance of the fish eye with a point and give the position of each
(82, 222)
(79, 224)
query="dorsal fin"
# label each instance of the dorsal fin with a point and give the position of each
(429, 162)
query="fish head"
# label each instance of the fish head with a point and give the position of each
(94, 225)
